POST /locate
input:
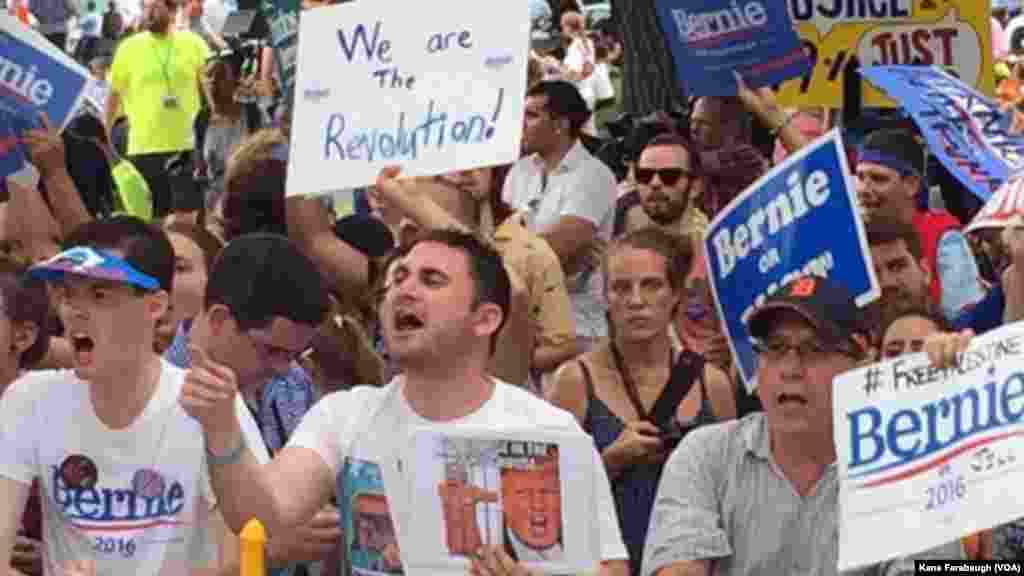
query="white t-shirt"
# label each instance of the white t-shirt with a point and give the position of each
(581, 186)
(135, 500)
(361, 433)
(251, 431)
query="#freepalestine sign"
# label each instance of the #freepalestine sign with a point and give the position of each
(402, 83)
(937, 452)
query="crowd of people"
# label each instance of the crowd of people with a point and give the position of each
(189, 349)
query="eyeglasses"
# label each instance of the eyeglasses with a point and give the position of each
(275, 353)
(808, 351)
(668, 176)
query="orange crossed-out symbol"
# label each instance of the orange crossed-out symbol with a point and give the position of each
(803, 287)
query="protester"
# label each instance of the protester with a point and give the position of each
(889, 176)
(195, 251)
(447, 294)
(260, 311)
(759, 495)
(902, 271)
(25, 329)
(640, 394)
(568, 197)
(539, 334)
(112, 423)
(228, 125)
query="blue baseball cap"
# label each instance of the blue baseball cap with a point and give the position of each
(91, 263)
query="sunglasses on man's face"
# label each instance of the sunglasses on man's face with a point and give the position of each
(668, 176)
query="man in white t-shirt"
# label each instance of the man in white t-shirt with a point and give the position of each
(568, 197)
(445, 302)
(123, 476)
(263, 303)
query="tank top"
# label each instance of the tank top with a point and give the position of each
(636, 488)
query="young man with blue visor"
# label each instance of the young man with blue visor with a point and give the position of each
(123, 468)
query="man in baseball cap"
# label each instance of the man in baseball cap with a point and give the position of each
(783, 459)
(824, 304)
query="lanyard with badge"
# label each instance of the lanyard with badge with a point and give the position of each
(169, 100)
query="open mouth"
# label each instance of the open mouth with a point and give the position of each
(538, 524)
(792, 399)
(406, 321)
(83, 346)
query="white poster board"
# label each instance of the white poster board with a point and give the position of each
(929, 455)
(528, 491)
(429, 86)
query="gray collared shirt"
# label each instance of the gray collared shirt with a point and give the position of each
(722, 497)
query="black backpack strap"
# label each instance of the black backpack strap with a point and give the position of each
(589, 381)
(687, 369)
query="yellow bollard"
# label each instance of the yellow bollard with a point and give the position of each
(253, 545)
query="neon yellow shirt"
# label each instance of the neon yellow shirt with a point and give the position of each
(149, 71)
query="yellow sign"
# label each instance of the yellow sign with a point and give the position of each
(953, 34)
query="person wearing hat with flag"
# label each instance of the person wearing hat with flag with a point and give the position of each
(760, 495)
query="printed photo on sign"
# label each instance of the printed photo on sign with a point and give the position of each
(772, 233)
(929, 449)
(964, 129)
(499, 490)
(712, 39)
(402, 83)
(370, 537)
(952, 34)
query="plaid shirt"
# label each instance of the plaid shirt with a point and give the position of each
(285, 399)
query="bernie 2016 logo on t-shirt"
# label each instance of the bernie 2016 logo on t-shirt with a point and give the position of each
(33, 81)
(118, 519)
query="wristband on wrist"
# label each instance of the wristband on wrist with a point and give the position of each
(224, 459)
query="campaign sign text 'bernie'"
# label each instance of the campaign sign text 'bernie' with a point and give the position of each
(936, 454)
(965, 130)
(35, 76)
(799, 219)
(406, 83)
(712, 39)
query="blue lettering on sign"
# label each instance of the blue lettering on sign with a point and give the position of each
(376, 48)
(911, 435)
(407, 139)
(440, 42)
(108, 504)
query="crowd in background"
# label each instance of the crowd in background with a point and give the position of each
(604, 311)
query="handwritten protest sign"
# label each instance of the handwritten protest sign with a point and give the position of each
(966, 131)
(712, 39)
(800, 218)
(406, 83)
(931, 451)
(1005, 208)
(953, 34)
(530, 491)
